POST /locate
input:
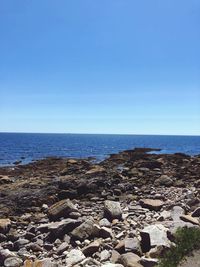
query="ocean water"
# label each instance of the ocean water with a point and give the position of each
(27, 147)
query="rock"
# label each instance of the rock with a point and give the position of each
(196, 212)
(59, 229)
(21, 242)
(13, 262)
(176, 212)
(91, 248)
(164, 180)
(106, 232)
(4, 254)
(61, 209)
(64, 246)
(105, 255)
(112, 210)
(5, 225)
(154, 235)
(152, 204)
(108, 264)
(86, 230)
(146, 262)
(115, 256)
(40, 263)
(130, 260)
(132, 245)
(104, 222)
(190, 219)
(74, 257)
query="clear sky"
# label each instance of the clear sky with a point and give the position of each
(108, 66)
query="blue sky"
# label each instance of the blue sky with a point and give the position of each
(109, 66)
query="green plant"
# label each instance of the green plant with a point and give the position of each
(186, 240)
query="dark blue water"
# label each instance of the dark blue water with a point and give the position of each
(15, 146)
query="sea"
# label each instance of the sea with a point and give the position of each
(27, 147)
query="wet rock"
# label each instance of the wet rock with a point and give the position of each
(112, 210)
(5, 225)
(152, 204)
(61, 209)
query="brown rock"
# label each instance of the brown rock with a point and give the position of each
(130, 260)
(152, 204)
(61, 209)
(5, 225)
(91, 248)
(190, 219)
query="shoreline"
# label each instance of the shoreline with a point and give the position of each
(116, 203)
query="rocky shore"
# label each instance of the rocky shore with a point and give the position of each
(122, 211)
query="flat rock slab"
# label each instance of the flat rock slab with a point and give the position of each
(190, 219)
(152, 204)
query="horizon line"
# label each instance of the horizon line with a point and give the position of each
(86, 133)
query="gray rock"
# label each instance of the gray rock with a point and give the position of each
(104, 222)
(112, 210)
(64, 246)
(74, 257)
(176, 212)
(132, 245)
(13, 262)
(154, 235)
(86, 230)
(105, 255)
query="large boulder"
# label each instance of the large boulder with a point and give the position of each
(154, 235)
(112, 210)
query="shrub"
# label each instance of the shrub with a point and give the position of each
(186, 240)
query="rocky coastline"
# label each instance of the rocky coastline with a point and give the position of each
(122, 211)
